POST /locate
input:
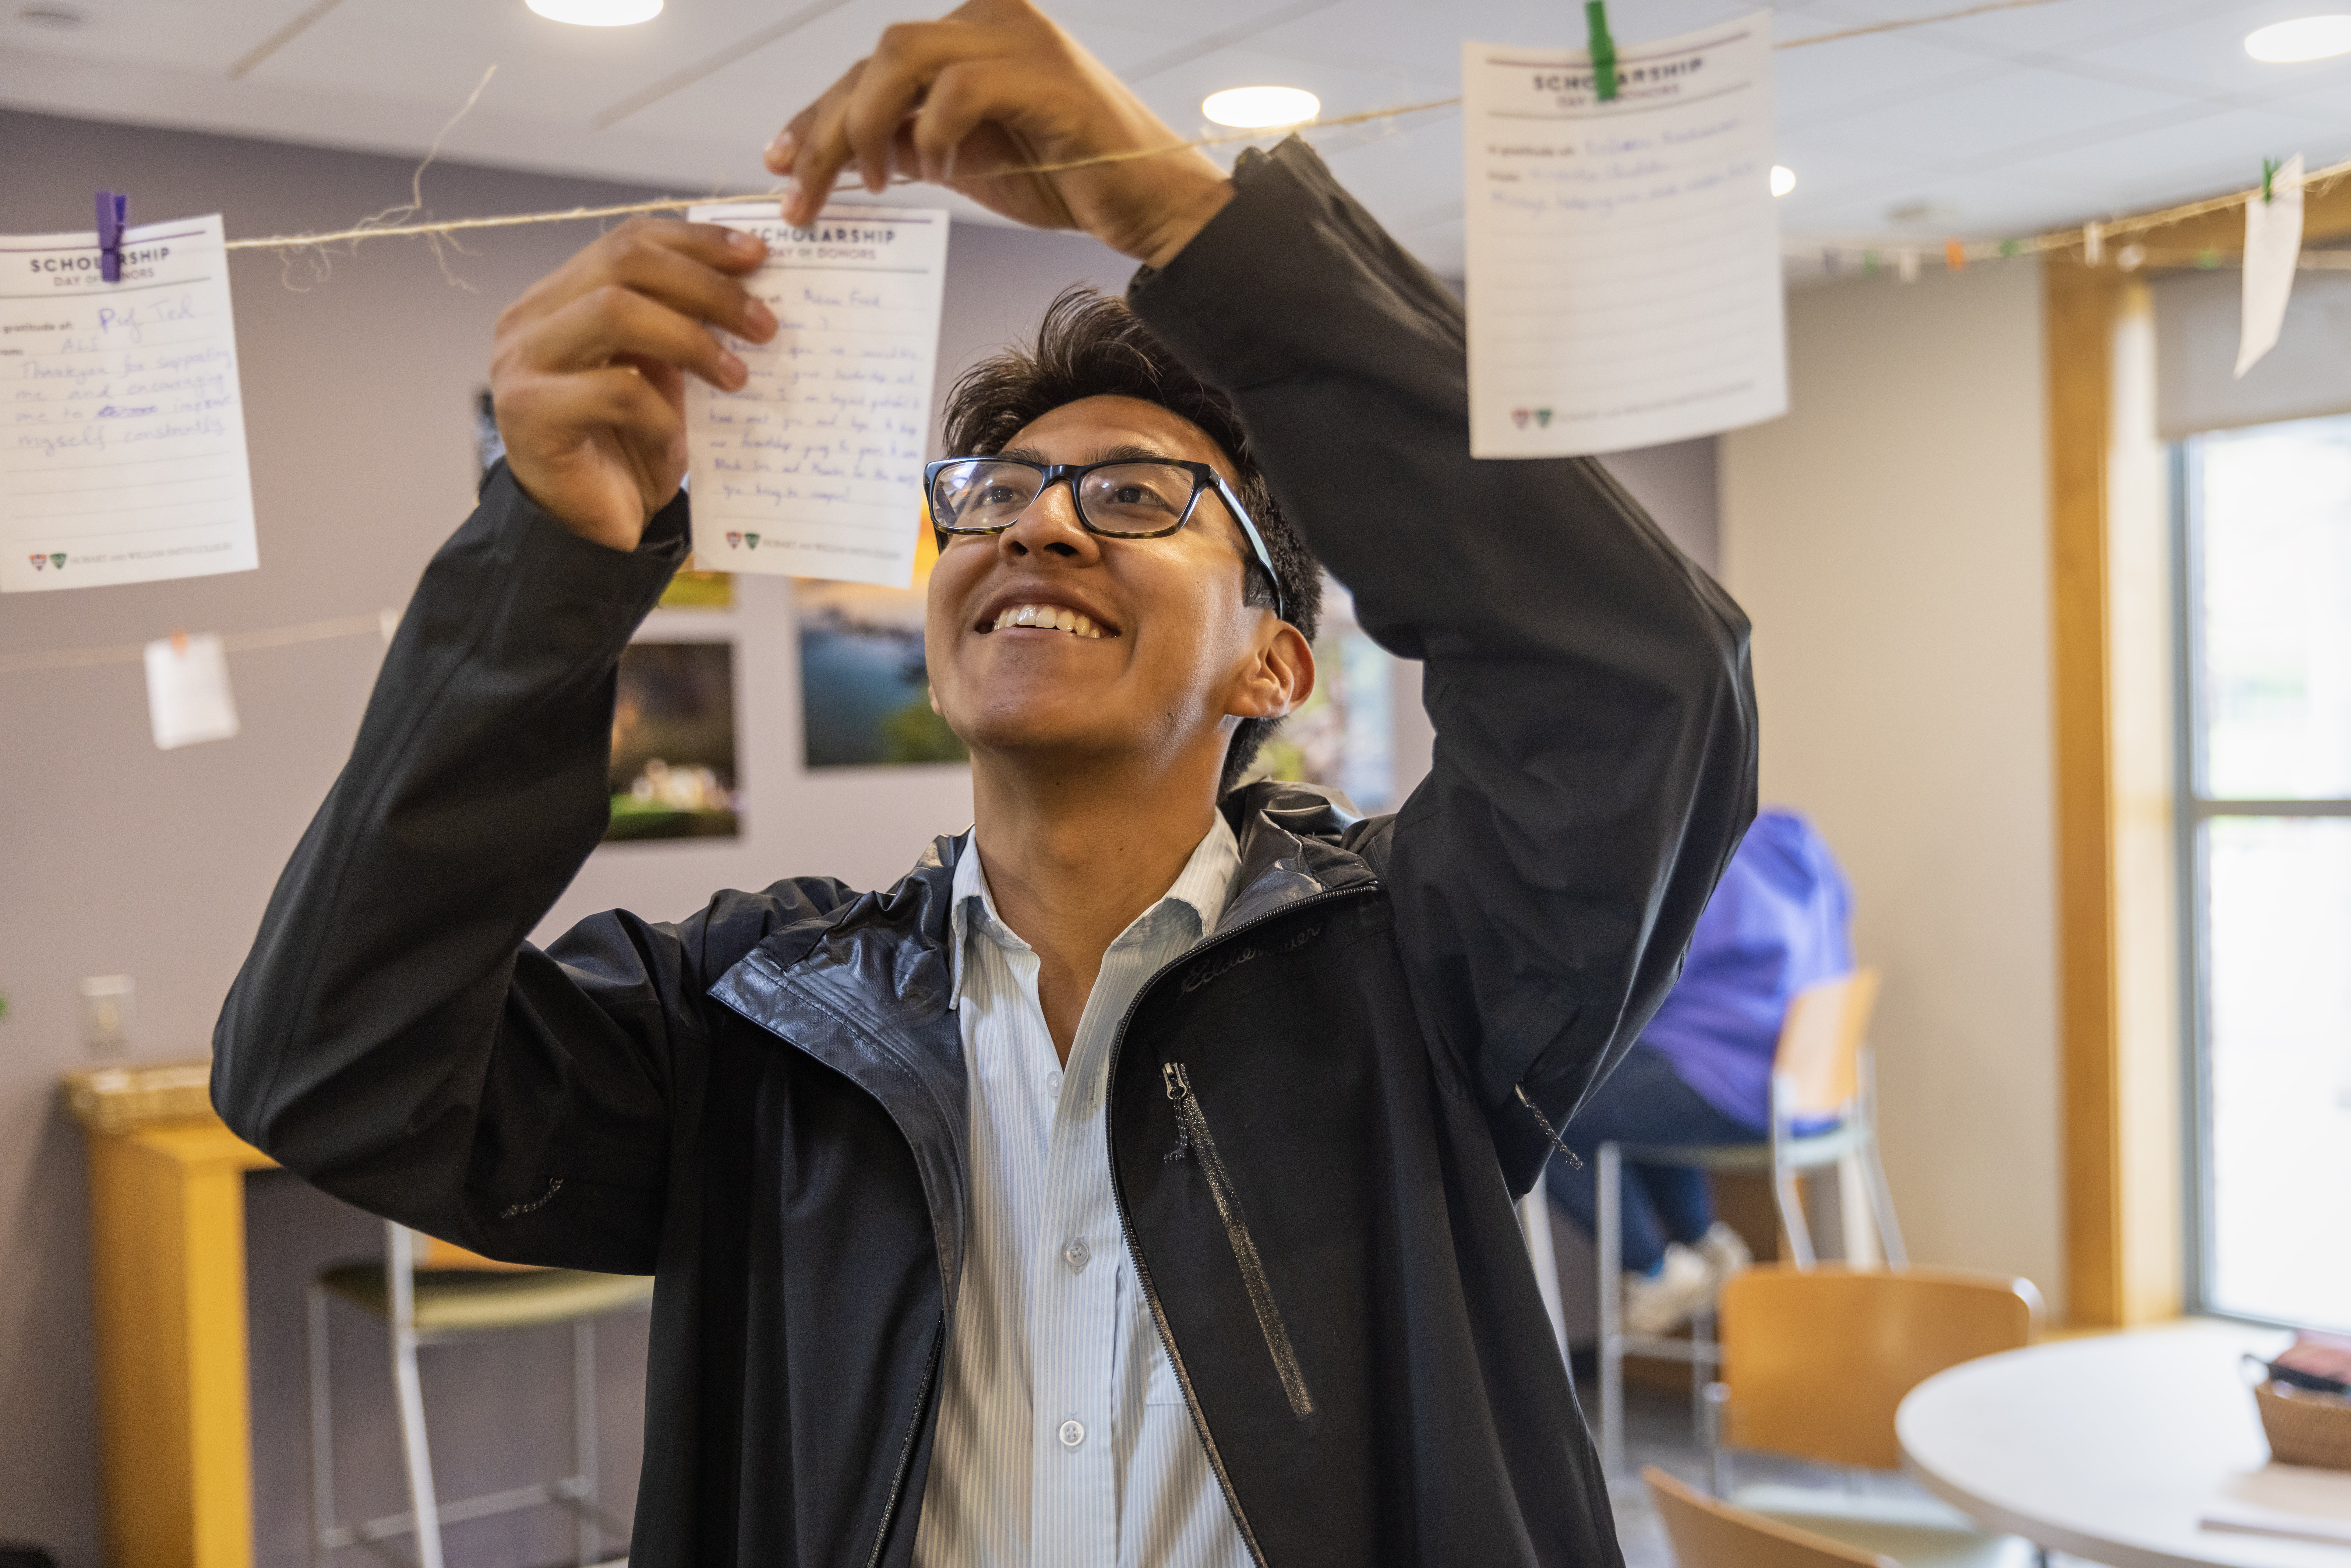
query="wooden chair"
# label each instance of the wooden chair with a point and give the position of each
(1821, 1080)
(1707, 1533)
(1814, 1363)
(432, 1292)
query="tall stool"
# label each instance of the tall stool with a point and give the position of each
(1821, 1072)
(430, 1292)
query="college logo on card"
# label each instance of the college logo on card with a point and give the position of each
(39, 561)
(1519, 416)
(733, 540)
(751, 540)
(1543, 417)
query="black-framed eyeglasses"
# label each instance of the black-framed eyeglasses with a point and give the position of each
(1126, 498)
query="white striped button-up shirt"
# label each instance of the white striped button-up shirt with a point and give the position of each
(1063, 1441)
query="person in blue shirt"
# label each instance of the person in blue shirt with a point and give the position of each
(1702, 1073)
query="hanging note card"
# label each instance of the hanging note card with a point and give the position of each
(815, 468)
(2272, 250)
(188, 699)
(121, 429)
(1624, 255)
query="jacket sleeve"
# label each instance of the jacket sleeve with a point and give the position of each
(1594, 760)
(392, 1036)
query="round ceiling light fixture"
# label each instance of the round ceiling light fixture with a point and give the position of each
(597, 13)
(1259, 107)
(2304, 38)
(1783, 179)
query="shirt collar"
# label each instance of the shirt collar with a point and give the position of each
(1204, 885)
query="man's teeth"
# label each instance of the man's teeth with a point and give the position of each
(1047, 616)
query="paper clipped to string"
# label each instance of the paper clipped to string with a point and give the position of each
(2272, 250)
(121, 426)
(188, 697)
(815, 468)
(1624, 257)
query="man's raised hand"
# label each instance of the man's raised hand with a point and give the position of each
(995, 86)
(588, 371)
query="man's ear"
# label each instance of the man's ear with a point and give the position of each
(1278, 681)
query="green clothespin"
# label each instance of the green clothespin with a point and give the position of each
(2268, 172)
(1603, 49)
(2010, 247)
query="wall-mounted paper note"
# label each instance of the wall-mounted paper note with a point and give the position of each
(2272, 250)
(188, 698)
(121, 430)
(1624, 255)
(815, 470)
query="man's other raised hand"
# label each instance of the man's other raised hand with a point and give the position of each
(588, 373)
(992, 87)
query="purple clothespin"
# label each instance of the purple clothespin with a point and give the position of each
(112, 210)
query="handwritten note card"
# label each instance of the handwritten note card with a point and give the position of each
(121, 429)
(815, 470)
(1624, 255)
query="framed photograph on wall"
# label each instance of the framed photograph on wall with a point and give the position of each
(674, 755)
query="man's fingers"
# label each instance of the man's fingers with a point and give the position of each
(690, 286)
(819, 150)
(656, 248)
(613, 322)
(615, 399)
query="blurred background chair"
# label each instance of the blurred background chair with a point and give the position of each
(1814, 1363)
(1823, 1116)
(1710, 1533)
(432, 1292)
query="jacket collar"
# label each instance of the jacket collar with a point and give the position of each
(869, 989)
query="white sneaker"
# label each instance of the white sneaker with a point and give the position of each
(1725, 1252)
(1661, 1303)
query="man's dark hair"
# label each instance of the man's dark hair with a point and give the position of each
(1091, 345)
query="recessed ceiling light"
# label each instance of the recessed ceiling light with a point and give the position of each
(1783, 179)
(57, 18)
(597, 13)
(1253, 107)
(2307, 39)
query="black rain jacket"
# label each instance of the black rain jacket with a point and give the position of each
(764, 1104)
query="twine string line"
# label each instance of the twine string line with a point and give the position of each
(378, 621)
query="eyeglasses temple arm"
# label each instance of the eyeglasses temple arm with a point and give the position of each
(1256, 543)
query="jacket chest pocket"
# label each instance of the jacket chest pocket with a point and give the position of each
(1196, 1141)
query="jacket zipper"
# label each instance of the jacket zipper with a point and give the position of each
(1126, 1222)
(906, 1449)
(1195, 1125)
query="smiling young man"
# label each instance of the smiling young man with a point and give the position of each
(1131, 1184)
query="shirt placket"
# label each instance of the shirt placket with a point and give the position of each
(1075, 1286)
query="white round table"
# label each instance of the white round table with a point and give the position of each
(2112, 1449)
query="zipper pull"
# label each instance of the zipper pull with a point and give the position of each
(1544, 1122)
(1179, 1089)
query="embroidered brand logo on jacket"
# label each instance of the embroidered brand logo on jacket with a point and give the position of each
(1209, 968)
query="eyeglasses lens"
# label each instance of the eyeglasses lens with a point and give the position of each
(1124, 498)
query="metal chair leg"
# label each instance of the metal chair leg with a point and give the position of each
(1718, 1396)
(584, 1436)
(323, 1430)
(400, 1280)
(1790, 1196)
(1608, 1234)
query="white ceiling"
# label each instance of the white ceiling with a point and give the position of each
(1991, 125)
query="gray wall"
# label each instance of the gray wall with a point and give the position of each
(121, 859)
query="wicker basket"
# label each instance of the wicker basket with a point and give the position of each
(117, 1100)
(2303, 1428)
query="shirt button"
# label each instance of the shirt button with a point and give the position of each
(1072, 1434)
(1053, 1085)
(1077, 1255)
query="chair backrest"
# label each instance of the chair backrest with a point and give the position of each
(1708, 1533)
(1819, 1052)
(1816, 1360)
